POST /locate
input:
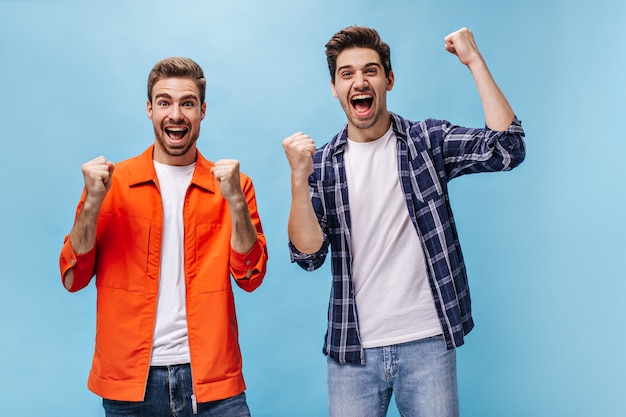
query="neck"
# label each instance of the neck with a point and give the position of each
(371, 133)
(163, 157)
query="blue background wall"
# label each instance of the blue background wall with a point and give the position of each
(544, 244)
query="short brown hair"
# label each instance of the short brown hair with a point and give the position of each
(177, 67)
(353, 37)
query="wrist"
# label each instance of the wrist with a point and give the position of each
(477, 63)
(91, 206)
(299, 180)
(237, 202)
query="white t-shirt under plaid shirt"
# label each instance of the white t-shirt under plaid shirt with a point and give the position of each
(393, 297)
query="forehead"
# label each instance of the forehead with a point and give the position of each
(357, 57)
(176, 87)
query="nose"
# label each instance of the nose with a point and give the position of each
(359, 80)
(176, 114)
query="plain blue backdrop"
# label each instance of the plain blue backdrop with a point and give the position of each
(543, 244)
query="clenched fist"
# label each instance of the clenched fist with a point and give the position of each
(226, 172)
(97, 174)
(462, 44)
(299, 149)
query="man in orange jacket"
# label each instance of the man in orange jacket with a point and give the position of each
(163, 232)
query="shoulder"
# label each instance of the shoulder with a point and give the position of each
(335, 145)
(136, 169)
(429, 126)
(422, 130)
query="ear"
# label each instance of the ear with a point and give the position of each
(332, 88)
(203, 110)
(390, 80)
(149, 109)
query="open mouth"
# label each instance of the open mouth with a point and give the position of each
(362, 102)
(176, 133)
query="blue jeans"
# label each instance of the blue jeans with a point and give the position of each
(420, 374)
(169, 394)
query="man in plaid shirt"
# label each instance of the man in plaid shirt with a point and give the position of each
(377, 195)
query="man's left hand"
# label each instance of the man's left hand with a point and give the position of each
(226, 172)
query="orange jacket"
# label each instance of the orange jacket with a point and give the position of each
(125, 261)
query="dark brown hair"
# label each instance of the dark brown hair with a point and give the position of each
(177, 67)
(357, 36)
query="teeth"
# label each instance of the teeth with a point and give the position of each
(361, 97)
(176, 129)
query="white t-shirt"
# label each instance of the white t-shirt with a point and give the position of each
(171, 345)
(393, 296)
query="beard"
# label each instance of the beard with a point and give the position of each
(361, 123)
(175, 150)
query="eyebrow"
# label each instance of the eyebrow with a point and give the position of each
(185, 97)
(369, 64)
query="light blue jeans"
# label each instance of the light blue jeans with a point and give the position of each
(168, 394)
(421, 375)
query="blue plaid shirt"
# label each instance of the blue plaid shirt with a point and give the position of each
(430, 153)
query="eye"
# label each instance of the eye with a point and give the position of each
(162, 103)
(188, 104)
(372, 71)
(345, 74)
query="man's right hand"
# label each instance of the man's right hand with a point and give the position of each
(97, 174)
(299, 149)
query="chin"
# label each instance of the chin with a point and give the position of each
(363, 124)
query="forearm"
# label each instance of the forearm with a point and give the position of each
(244, 234)
(303, 228)
(498, 112)
(82, 237)
(83, 234)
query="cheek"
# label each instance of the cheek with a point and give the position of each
(195, 123)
